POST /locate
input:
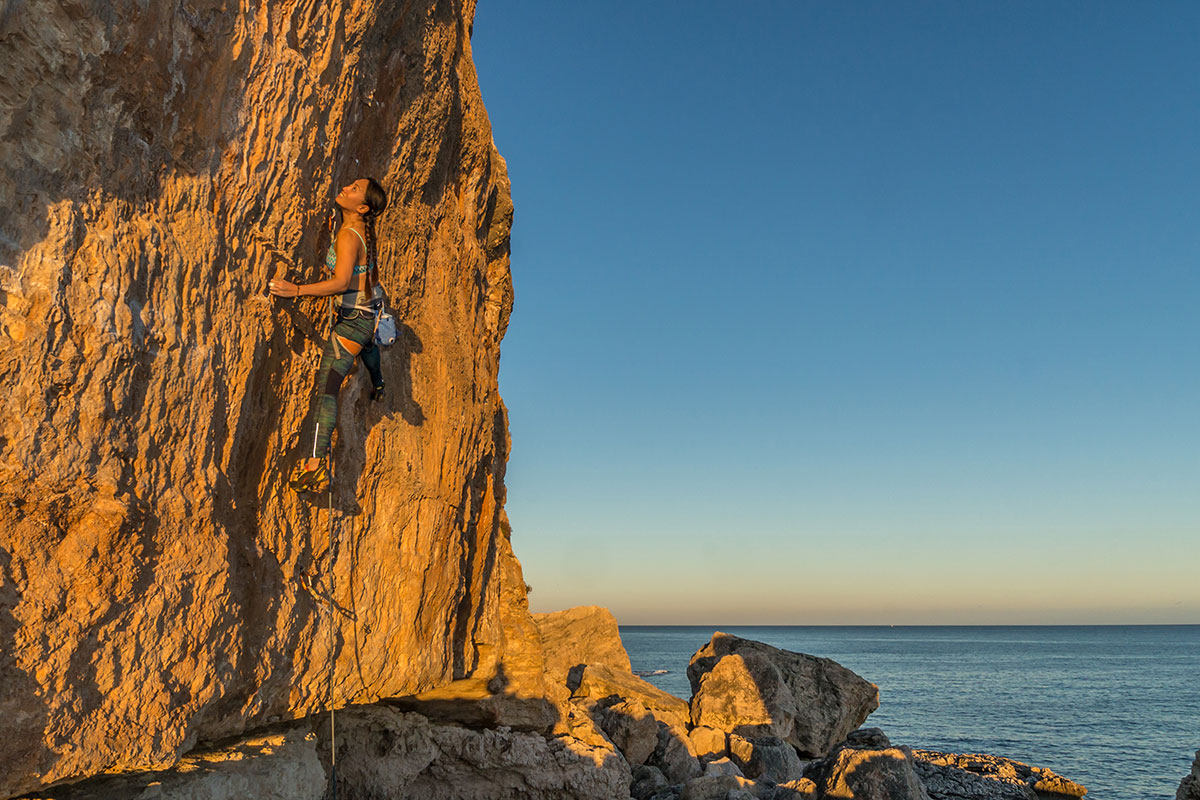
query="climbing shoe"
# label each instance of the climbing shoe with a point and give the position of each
(310, 480)
(377, 392)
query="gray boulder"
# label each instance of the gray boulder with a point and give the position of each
(674, 755)
(861, 774)
(646, 781)
(631, 727)
(722, 766)
(752, 689)
(766, 757)
(718, 787)
(869, 739)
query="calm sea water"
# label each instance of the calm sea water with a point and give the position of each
(1116, 708)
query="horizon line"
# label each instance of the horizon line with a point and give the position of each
(915, 625)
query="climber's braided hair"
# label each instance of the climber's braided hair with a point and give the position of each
(376, 200)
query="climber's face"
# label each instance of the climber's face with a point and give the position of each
(353, 197)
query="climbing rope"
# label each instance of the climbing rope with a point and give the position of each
(329, 606)
(332, 659)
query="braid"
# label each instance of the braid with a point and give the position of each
(377, 201)
(372, 262)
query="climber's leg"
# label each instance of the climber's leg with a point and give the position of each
(371, 360)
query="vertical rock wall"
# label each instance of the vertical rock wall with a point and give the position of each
(158, 583)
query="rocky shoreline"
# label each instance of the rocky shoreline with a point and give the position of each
(762, 723)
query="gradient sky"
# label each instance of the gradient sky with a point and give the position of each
(833, 312)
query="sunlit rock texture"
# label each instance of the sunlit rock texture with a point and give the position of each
(158, 163)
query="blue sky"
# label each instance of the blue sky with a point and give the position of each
(853, 312)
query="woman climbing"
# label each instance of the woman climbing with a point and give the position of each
(351, 259)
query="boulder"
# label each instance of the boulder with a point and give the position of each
(385, 753)
(579, 724)
(953, 776)
(646, 781)
(811, 702)
(722, 766)
(860, 774)
(800, 789)
(667, 793)
(869, 739)
(718, 787)
(578, 636)
(282, 765)
(672, 792)
(1189, 787)
(674, 754)
(744, 694)
(601, 685)
(766, 757)
(631, 727)
(709, 743)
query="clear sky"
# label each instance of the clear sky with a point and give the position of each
(837, 312)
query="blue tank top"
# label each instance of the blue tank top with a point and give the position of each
(351, 298)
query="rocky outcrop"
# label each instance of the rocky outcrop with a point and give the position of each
(574, 637)
(1189, 787)
(600, 686)
(854, 773)
(158, 587)
(752, 689)
(282, 765)
(382, 753)
(953, 776)
(396, 755)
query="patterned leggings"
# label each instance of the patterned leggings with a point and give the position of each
(336, 362)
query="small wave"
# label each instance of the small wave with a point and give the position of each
(645, 673)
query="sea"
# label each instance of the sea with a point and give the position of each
(1116, 708)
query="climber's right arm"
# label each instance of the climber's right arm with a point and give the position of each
(343, 272)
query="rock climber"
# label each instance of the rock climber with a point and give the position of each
(355, 276)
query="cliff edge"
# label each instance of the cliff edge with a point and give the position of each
(159, 586)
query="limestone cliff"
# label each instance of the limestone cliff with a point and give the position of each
(158, 585)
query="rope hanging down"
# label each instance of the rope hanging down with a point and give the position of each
(329, 605)
(329, 611)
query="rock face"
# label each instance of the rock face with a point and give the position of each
(752, 689)
(1189, 787)
(158, 586)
